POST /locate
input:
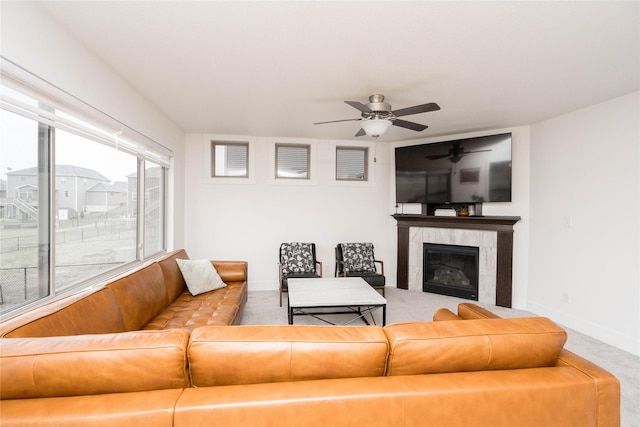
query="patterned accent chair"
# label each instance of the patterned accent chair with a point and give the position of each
(358, 260)
(297, 260)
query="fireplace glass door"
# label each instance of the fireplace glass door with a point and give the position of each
(451, 270)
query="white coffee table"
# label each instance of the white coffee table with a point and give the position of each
(352, 294)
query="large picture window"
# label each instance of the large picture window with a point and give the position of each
(95, 228)
(68, 197)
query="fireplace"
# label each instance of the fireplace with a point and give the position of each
(492, 234)
(451, 270)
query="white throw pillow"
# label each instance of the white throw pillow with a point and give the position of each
(200, 275)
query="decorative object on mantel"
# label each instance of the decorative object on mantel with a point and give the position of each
(445, 212)
(502, 225)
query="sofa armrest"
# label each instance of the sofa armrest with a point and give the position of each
(473, 311)
(607, 385)
(445, 314)
(232, 271)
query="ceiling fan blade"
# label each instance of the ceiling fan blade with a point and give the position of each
(432, 106)
(359, 106)
(441, 156)
(409, 125)
(337, 121)
(361, 132)
(476, 151)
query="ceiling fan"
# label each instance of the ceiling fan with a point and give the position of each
(455, 153)
(377, 116)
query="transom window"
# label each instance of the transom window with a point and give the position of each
(351, 163)
(229, 159)
(292, 161)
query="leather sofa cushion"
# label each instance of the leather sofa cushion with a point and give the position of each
(141, 296)
(172, 275)
(187, 312)
(264, 354)
(473, 345)
(88, 312)
(92, 364)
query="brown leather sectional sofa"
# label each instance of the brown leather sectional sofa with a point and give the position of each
(469, 368)
(153, 297)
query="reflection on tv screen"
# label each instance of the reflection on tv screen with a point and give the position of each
(472, 170)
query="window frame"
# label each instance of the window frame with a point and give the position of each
(204, 142)
(370, 163)
(162, 184)
(244, 144)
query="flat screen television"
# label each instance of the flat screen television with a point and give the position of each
(470, 170)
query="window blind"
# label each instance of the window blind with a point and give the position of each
(292, 161)
(351, 164)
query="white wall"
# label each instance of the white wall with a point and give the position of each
(36, 43)
(585, 192)
(249, 220)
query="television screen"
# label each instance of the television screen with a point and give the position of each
(472, 170)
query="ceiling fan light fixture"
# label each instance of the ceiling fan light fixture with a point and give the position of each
(376, 127)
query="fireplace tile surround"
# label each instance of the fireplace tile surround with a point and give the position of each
(493, 235)
(486, 241)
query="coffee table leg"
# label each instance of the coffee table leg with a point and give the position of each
(384, 315)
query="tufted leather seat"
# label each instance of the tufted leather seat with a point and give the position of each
(189, 312)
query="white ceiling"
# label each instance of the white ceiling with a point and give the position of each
(273, 68)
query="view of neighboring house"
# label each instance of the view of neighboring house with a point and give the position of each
(3, 196)
(107, 198)
(153, 193)
(78, 190)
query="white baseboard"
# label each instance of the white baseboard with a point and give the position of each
(263, 285)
